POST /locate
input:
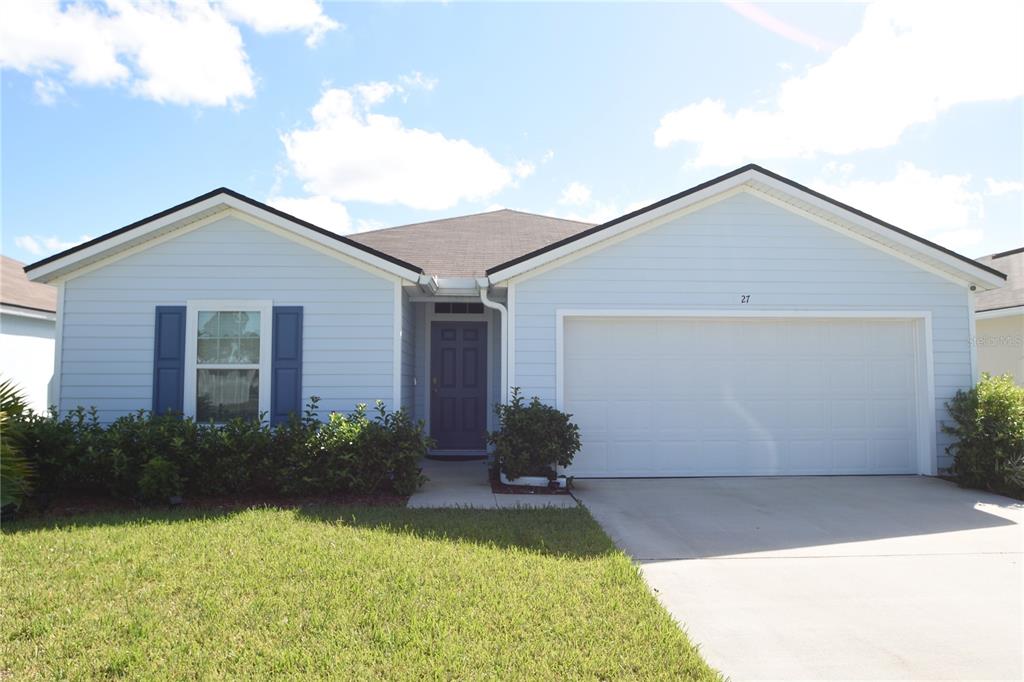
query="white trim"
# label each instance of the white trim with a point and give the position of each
(999, 312)
(511, 298)
(925, 438)
(30, 313)
(149, 233)
(429, 318)
(225, 212)
(883, 238)
(192, 308)
(503, 392)
(58, 350)
(972, 336)
(863, 239)
(396, 370)
(967, 272)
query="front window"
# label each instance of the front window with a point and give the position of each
(228, 353)
(228, 365)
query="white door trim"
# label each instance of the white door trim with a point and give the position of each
(925, 389)
(430, 317)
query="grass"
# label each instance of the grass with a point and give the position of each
(330, 592)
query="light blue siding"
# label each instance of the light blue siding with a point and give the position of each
(741, 245)
(107, 346)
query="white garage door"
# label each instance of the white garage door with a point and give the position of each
(741, 397)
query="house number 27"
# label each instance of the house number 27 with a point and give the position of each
(745, 298)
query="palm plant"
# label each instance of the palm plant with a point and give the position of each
(15, 470)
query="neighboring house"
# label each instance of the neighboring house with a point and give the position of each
(1000, 318)
(28, 311)
(746, 326)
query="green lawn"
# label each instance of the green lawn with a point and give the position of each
(348, 592)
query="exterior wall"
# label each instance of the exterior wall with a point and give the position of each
(1001, 346)
(739, 246)
(409, 339)
(107, 343)
(26, 356)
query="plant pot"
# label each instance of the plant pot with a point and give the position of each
(535, 481)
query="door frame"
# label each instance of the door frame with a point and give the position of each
(429, 318)
(926, 422)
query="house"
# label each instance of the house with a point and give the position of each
(746, 326)
(28, 313)
(1000, 318)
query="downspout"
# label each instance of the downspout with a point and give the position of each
(484, 284)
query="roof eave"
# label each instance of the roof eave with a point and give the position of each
(54, 267)
(969, 270)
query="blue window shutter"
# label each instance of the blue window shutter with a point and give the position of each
(286, 364)
(169, 359)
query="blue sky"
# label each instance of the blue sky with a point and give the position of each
(364, 116)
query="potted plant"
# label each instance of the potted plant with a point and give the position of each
(533, 439)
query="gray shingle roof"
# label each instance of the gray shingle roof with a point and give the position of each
(15, 289)
(466, 246)
(1012, 293)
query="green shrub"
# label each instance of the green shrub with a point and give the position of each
(15, 471)
(533, 438)
(352, 453)
(159, 480)
(989, 430)
(152, 457)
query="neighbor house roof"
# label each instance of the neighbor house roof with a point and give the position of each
(466, 246)
(16, 290)
(1011, 295)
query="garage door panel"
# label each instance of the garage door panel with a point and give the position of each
(807, 415)
(849, 375)
(749, 397)
(808, 378)
(892, 376)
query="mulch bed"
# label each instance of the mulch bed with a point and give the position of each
(504, 489)
(86, 504)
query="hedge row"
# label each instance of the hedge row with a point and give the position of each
(150, 457)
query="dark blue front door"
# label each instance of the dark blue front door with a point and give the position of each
(458, 385)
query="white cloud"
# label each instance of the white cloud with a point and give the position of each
(548, 155)
(48, 91)
(941, 208)
(575, 194)
(908, 63)
(40, 246)
(523, 169)
(596, 214)
(374, 93)
(353, 154)
(585, 208)
(417, 81)
(272, 16)
(179, 52)
(997, 188)
(320, 210)
(369, 224)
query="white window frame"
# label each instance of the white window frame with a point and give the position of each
(193, 308)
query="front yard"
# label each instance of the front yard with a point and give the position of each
(353, 592)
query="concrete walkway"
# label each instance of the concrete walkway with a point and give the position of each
(465, 484)
(881, 577)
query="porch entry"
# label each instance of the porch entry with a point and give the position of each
(458, 385)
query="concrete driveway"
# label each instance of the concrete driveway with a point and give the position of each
(829, 577)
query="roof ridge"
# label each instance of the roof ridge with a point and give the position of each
(468, 215)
